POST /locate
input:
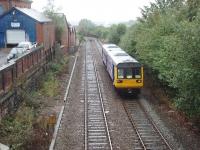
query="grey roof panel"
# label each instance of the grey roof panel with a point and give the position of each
(40, 17)
(116, 55)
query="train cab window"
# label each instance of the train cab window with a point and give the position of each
(137, 73)
(129, 73)
(120, 73)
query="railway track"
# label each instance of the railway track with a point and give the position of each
(96, 131)
(97, 134)
(148, 133)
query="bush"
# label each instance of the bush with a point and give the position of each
(168, 42)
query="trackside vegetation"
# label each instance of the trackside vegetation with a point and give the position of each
(27, 128)
(167, 40)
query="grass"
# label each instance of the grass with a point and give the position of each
(21, 130)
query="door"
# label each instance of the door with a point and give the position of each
(15, 36)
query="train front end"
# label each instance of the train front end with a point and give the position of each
(129, 77)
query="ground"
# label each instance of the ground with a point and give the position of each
(179, 131)
(182, 128)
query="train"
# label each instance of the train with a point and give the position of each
(126, 73)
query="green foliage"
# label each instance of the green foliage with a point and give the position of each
(57, 19)
(86, 27)
(116, 32)
(16, 129)
(50, 86)
(193, 6)
(167, 40)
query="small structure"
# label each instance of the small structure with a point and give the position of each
(24, 24)
(72, 36)
(65, 34)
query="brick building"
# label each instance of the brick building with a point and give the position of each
(6, 5)
(21, 23)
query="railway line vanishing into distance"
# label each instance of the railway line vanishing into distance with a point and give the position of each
(97, 134)
(97, 130)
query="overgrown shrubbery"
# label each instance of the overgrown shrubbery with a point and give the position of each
(21, 130)
(16, 129)
(167, 39)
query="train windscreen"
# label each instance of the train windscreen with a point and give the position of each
(129, 73)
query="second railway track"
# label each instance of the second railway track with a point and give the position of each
(148, 133)
(97, 134)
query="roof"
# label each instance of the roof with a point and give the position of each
(110, 46)
(38, 16)
(118, 55)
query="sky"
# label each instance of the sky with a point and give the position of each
(98, 11)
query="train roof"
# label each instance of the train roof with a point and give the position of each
(110, 46)
(119, 56)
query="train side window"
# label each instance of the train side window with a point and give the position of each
(137, 73)
(120, 73)
(129, 73)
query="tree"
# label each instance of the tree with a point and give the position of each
(167, 40)
(116, 32)
(52, 12)
(193, 6)
(86, 27)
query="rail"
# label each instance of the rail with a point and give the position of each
(148, 133)
(96, 127)
(53, 141)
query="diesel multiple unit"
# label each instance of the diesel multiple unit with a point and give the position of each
(125, 71)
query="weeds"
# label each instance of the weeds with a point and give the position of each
(15, 129)
(21, 131)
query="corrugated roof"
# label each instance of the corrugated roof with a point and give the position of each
(34, 14)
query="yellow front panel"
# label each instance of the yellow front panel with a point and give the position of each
(128, 83)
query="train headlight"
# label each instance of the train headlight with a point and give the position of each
(119, 81)
(139, 81)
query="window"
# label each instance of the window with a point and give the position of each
(120, 73)
(129, 73)
(137, 73)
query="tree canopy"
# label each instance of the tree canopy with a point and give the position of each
(167, 39)
(52, 12)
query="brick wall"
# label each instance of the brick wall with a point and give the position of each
(14, 3)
